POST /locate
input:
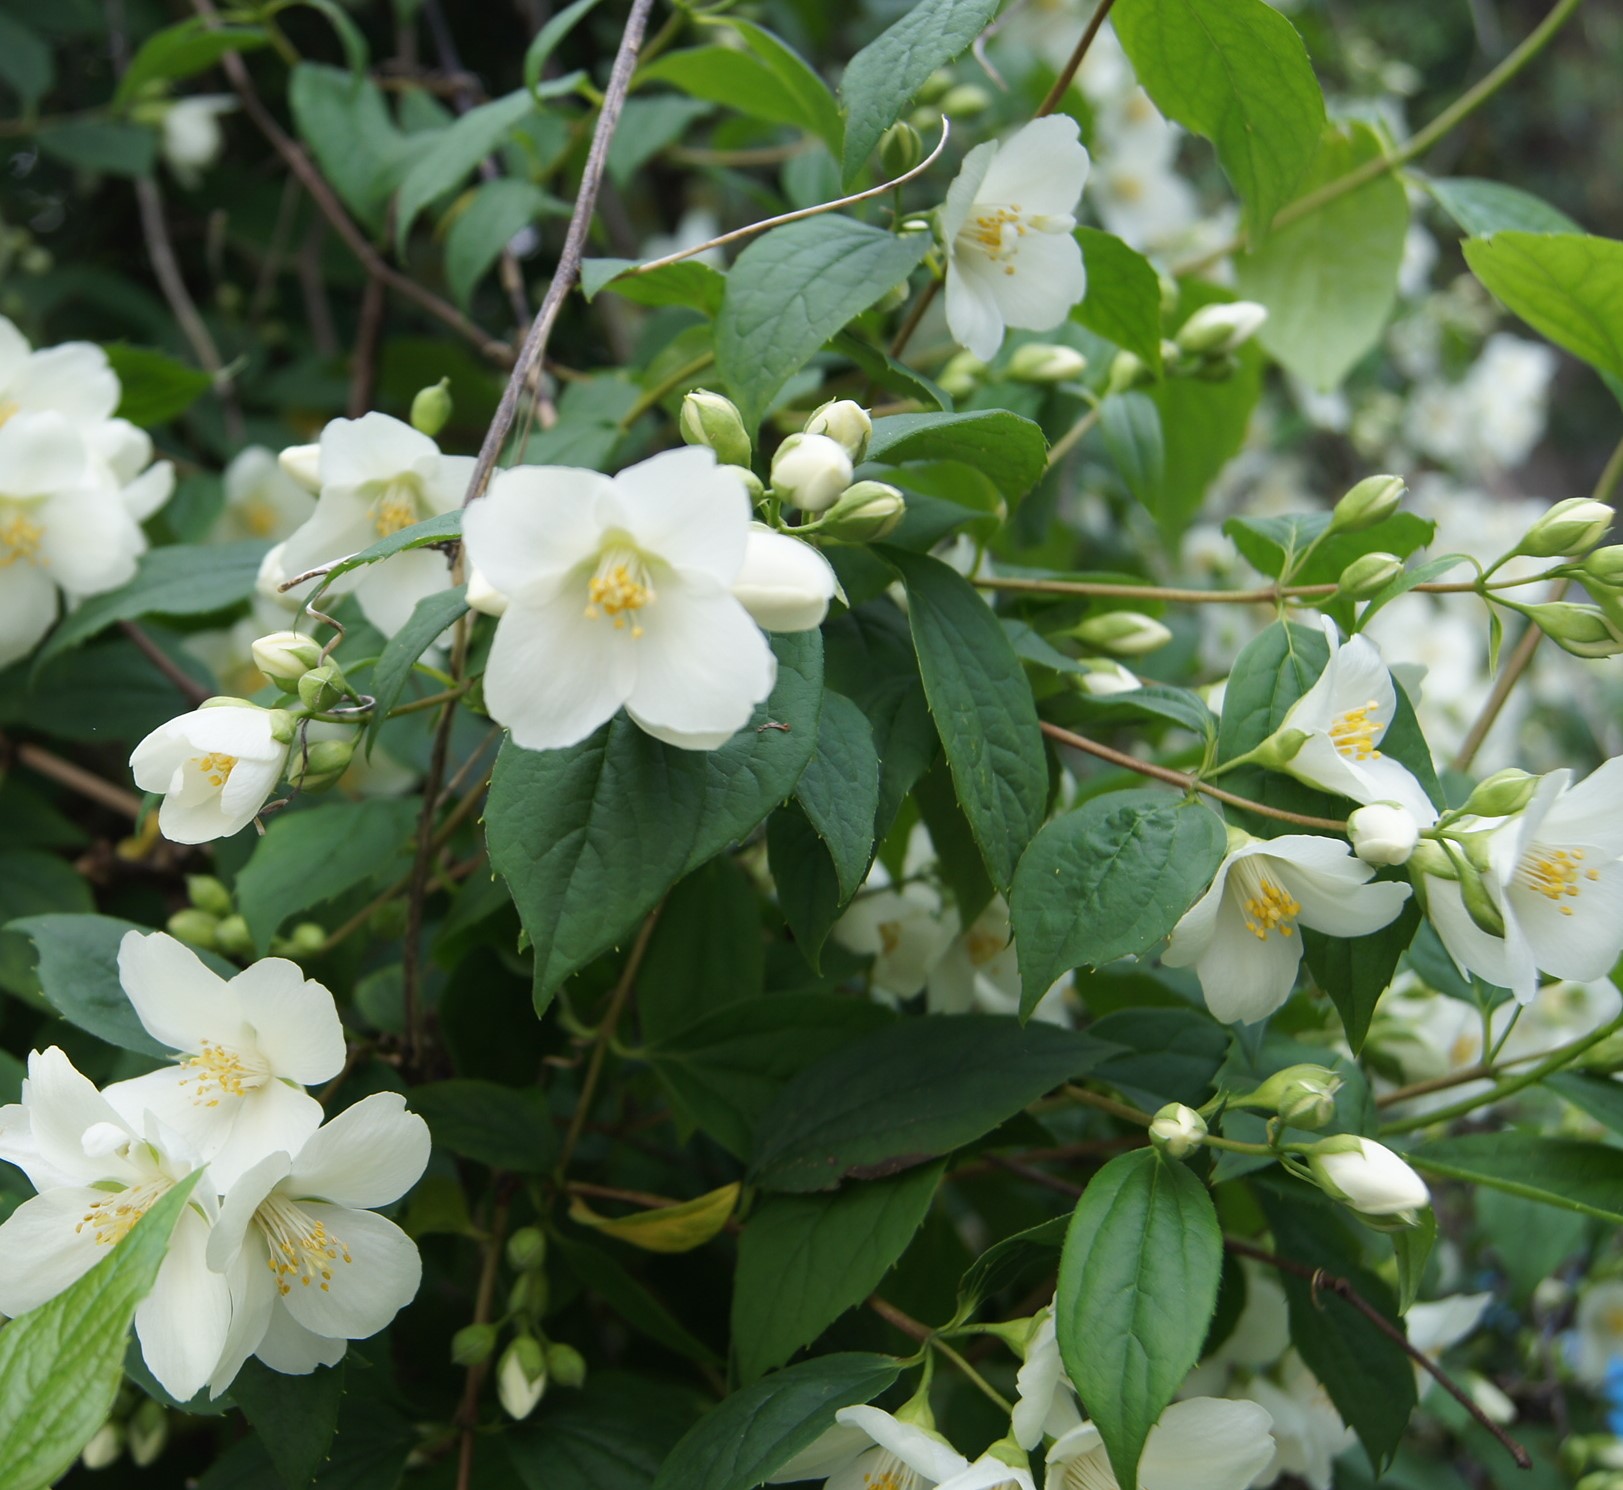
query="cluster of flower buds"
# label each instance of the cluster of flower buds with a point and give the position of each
(1204, 347)
(211, 922)
(1572, 530)
(1302, 1096)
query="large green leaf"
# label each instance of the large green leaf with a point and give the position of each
(452, 154)
(611, 1436)
(181, 50)
(61, 1364)
(740, 1442)
(1236, 73)
(1130, 425)
(1569, 286)
(1137, 1287)
(344, 120)
(839, 790)
(1109, 880)
(1355, 971)
(430, 618)
(711, 921)
(497, 1125)
(589, 838)
(484, 227)
(686, 282)
(294, 1416)
(153, 386)
(26, 61)
(1014, 1263)
(1007, 449)
(549, 37)
(803, 1260)
(1123, 303)
(1483, 207)
(794, 288)
(34, 883)
(881, 79)
(909, 1093)
(983, 709)
(806, 880)
(1330, 279)
(1563, 1172)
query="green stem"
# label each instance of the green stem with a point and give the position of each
(668, 384)
(1070, 439)
(1257, 595)
(985, 1387)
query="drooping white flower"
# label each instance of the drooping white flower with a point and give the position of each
(247, 1049)
(1240, 936)
(97, 1176)
(379, 476)
(314, 1266)
(1308, 1432)
(215, 766)
(979, 971)
(783, 583)
(261, 499)
(1011, 259)
(868, 1449)
(619, 594)
(1203, 1443)
(192, 138)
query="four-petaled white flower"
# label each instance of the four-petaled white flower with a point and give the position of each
(870, 1449)
(248, 1047)
(1203, 1443)
(312, 1266)
(379, 476)
(261, 499)
(97, 1176)
(1007, 224)
(215, 766)
(618, 594)
(1556, 874)
(1241, 936)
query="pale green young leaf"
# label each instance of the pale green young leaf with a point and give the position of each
(549, 37)
(181, 50)
(1481, 208)
(803, 99)
(345, 122)
(687, 282)
(1568, 286)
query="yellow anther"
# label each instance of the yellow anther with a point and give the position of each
(216, 766)
(259, 518)
(217, 1072)
(1271, 908)
(620, 586)
(111, 1218)
(392, 513)
(20, 539)
(1555, 874)
(300, 1247)
(1354, 734)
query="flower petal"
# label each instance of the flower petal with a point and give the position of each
(253, 1302)
(534, 525)
(688, 511)
(973, 315)
(965, 190)
(1206, 1443)
(39, 454)
(374, 447)
(1583, 943)
(388, 592)
(28, 603)
(180, 1001)
(341, 525)
(1244, 977)
(273, 1118)
(1048, 279)
(916, 1447)
(295, 1351)
(42, 1249)
(369, 1155)
(294, 1020)
(72, 379)
(62, 1105)
(1042, 166)
(364, 1294)
(183, 1323)
(232, 1232)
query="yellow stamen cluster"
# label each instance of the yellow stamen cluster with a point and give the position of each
(983, 946)
(259, 518)
(301, 1248)
(8, 407)
(392, 513)
(216, 765)
(20, 539)
(217, 1072)
(991, 230)
(112, 1218)
(1555, 874)
(1271, 908)
(890, 1476)
(620, 585)
(1354, 734)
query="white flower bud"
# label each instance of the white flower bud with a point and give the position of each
(1178, 1130)
(846, 423)
(1383, 833)
(811, 471)
(1104, 678)
(148, 1432)
(1569, 528)
(1216, 329)
(710, 420)
(303, 464)
(105, 1445)
(1045, 362)
(1368, 1176)
(285, 656)
(192, 138)
(521, 1377)
(1373, 500)
(1127, 633)
(867, 512)
(483, 596)
(784, 584)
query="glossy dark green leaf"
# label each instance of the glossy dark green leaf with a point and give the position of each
(154, 387)
(1008, 449)
(1563, 1172)
(497, 1125)
(839, 789)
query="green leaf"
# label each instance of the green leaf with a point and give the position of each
(484, 227)
(101, 692)
(1412, 1248)
(687, 282)
(482, 1120)
(26, 61)
(61, 1364)
(807, 882)
(444, 530)
(1162, 1055)
(711, 920)
(1274, 545)
(794, 288)
(839, 789)
(723, 1071)
(180, 51)
(294, 1416)
(185, 580)
(1330, 279)
(344, 120)
(1109, 880)
(882, 78)
(798, 82)
(608, 1279)
(1137, 1287)
(589, 838)
(983, 709)
(430, 618)
(1599, 1096)
(1236, 73)
(453, 153)
(887, 372)
(1016, 1262)
(1159, 701)
(1123, 303)
(738, 1443)
(1569, 286)
(1011, 451)
(548, 38)
(909, 1093)
(1356, 971)
(101, 145)
(1562, 1172)
(611, 1436)
(1484, 207)
(803, 1260)
(155, 387)
(316, 854)
(1130, 424)
(33, 883)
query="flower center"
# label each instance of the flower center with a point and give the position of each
(621, 584)
(259, 518)
(112, 1217)
(1555, 873)
(216, 766)
(19, 539)
(8, 407)
(1354, 733)
(301, 1249)
(1266, 904)
(217, 1071)
(889, 1473)
(997, 231)
(983, 946)
(395, 509)
(1090, 1471)
(1127, 188)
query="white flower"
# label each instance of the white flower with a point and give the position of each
(1345, 715)
(1045, 1402)
(1204, 1443)
(1383, 833)
(61, 536)
(905, 931)
(1011, 259)
(314, 1266)
(1599, 1338)
(521, 1377)
(261, 499)
(1556, 877)
(73, 380)
(97, 1176)
(989, 1472)
(784, 584)
(1440, 1325)
(1136, 190)
(1241, 935)
(980, 972)
(1308, 1431)
(619, 594)
(811, 471)
(216, 766)
(1367, 1176)
(379, 476)
(192, 137)
(248, 1048)
(869, 1449)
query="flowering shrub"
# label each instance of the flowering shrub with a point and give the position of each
(761, 743)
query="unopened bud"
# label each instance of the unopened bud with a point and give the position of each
(1127, 370)
(529, 1294)
(1431, 858)
(935, 85)
(472, 1344)
(306, 939)
(713, 421)
(483, 596)
(1383, 833)
(1178, 1130)
(286, 656)
(195, 927)
(1303, 1095)
(1502, 794)
(1373, 500)
(962, 375)
(846, 423)
(1126, 633)
(1605, 567)
(1569, 528)
(1368, 575)
(521, 1377)
(321, 763)
(867, 512)
(208, 894)
(148, 1432)
(900, 149)
(1582, 630)
(527, 1249)
(810, 471)
(964, 100)
(565, 1365)
(1216, 329)
(233, 937)
(1479, 904)
(784, 583)
(1369, 1177)
(431, 409)
(323, 687)
(1104, 678)
(1045, 362)
(303, 464)
(105, 1445)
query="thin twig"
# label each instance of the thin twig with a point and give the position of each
(1062, 84)
(909, 1326)
(1072, 437)
(1258, 595)
(86, 783)
(188, 685)
(911, 324)
(364, 368)
(1189, 783)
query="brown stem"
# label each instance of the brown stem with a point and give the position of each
(363, 372)
(1107, 1104)
(1062, 83)
(467, 1413)
(1188, 782)
(1323, 1282)
(567, 274)
(1035, 1175)
(1509, 676)
(903, 1322)
(1259, 595)
(75, 778)
(911, 324)
(165, 664)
